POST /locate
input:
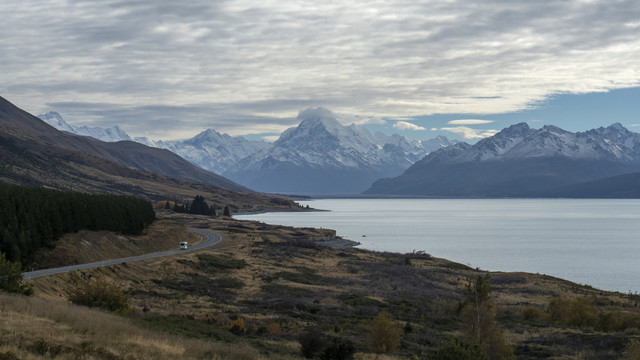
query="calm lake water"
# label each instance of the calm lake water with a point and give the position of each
(595, 242)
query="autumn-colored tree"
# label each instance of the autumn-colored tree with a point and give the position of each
(385, 335)
(478, 316)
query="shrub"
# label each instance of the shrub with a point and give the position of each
(314, 345)
(632, 351)
(274, 328)
(97, 292)
(11, 279)
(573, 312)
(533, 313)
(456, 349)
(385, 335)
(237, 326)
(311, 343)
(338, 349)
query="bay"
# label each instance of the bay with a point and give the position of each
(594, 242)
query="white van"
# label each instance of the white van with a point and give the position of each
(183, 245)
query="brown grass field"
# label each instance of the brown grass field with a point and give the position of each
(252, 295)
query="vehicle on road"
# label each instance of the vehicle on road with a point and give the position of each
(183, 245)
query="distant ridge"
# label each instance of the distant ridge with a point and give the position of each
(524, 162)
(36, 134)
(625, 186)
(33, 153)
(319, 156)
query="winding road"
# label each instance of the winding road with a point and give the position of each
(211, 239)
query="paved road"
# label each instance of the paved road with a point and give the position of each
(211, 239)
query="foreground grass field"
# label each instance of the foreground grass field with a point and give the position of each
(256, 293)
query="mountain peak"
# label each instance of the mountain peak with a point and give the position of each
(617, 126)
(55, 119)
(208, 134)
(312, 117)
(517, 129)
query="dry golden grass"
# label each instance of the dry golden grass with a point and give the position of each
(89, 246)
(162, 287)
(34, 328)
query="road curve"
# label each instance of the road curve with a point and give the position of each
(211, 239)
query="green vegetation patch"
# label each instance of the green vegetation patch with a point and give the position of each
(33, 218)
(187, 327)
(213, 263)
(196, 284)
(358, 300)
(303, 276)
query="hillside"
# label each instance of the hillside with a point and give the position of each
(520, 162)
(263, 286)
(35, 154)
(622, 186)
(40, 144)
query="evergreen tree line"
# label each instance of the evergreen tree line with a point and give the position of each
(33, 218)
(198, 207)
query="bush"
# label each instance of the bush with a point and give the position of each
(338, 349)
(583, 312)
(456, 349)
(385, 335)
(314, 345)
(97, 292)
(11, 279)
(533, 313)
(311, 343)
(573, 312)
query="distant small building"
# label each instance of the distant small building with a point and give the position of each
(183, 245)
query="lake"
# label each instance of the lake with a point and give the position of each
(594, 242)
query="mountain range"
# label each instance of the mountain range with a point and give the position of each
(319, 156)
(523, 162)
(322, 156)
(33, 153)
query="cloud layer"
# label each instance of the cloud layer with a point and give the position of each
(249, 66)
(403, 125)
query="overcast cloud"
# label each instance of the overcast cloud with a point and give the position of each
(166, 69)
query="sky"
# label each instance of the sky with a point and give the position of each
(460, 68)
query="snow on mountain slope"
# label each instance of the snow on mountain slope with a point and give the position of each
(210, 150)
(109, 135)
(214, 151)
(321, 155)
(54, 119)
(520, 161)
(520, 141)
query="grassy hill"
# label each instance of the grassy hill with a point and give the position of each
(263, 286)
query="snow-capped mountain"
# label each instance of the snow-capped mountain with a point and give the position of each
(213, 151)
(210, 150)
(109, 135)
(321, 155)
(519, 141)
(520, 161)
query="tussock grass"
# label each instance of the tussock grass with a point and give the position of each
(281, 281)
(34, 328)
